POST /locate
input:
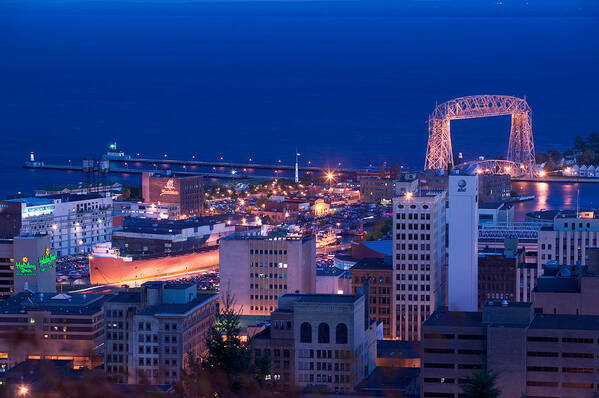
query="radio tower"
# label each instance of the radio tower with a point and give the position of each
(297, 155)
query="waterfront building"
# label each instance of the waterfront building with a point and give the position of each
(569, 238)
(75, 223)
(52, 326)
(257, 269)
(26, 264)
(149, 332)
(534, 355)
(463, 242)
(418, 261)
(187, 192)
(156, 211)
(319, 341)
(149, 237)
(378, 273)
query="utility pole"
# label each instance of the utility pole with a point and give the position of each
(297, 155)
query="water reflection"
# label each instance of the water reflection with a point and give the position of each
(555, 196)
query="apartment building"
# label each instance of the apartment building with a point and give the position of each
(149, 333)
(419, 262)
(256, 270)
(319, 342)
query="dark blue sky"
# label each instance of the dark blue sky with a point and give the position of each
(343, 81)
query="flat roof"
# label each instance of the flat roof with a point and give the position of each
(563, 321)
(397, 349)
(55, 303)
(125, 297)
(454, 318)
(176, 309)
(324, 298)
(379, 264)
(381, 246)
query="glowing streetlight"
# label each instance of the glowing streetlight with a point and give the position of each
(330, 176)
(409, 195)
(23, 390)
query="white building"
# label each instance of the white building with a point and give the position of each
(256, 270)
(75, 223)
(418, 261)
(463, 243)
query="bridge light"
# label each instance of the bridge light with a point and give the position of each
(479, 171)
(542, 173)
(508, 169)
(408, 195)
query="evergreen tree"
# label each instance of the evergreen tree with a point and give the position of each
(227, 370)
(481, 385)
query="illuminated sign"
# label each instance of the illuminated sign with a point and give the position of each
(169, 188)
(45, 262)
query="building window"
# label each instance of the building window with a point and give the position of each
(306, 333)
(323, 333)
(341, 334)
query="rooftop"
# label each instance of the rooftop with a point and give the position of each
(276, 236)
(177, 309)
(126, 297)
(563, 321)
(381, 246)
(147, 225)
(382, 264)
(49, 199)
(388, 381)
(442, 317)
(397, 349)
(323, 298)
(329, 271)
(55, 303)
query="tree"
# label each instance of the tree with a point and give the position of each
(588, 156)
(481, 385)
(228, 369)
(579, 144)
(594, 142)
(380, 229)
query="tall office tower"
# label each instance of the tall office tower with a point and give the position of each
(463, 243)
(418, 260)
(256, 270)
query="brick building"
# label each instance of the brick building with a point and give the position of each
(187, 192)
(378, 272)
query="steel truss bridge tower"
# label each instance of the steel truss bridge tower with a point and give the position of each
(521, 146)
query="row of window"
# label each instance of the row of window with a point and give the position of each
(270, 251)
(545, 339)
(324, 336)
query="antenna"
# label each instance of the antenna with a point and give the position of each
(577, 200)
(296, 166)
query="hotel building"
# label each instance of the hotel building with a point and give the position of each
(75, 223)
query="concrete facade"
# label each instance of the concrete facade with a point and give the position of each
(256, 270)
(418, 261)
(463, 243)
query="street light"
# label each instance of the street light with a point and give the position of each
(23, 390)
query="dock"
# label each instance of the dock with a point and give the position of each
(125, 170)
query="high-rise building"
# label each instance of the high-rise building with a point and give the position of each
(150, 332)
(463, 243)
(320, 341)
(187, 192)
(75, 223)
(498, 271)
(52, 326)
(256, 270)
(418, 260)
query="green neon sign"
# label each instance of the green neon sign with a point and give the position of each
(45, 262)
